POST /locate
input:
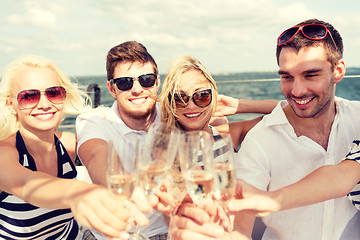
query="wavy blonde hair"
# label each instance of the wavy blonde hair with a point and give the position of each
(178, 66)
(76, 101)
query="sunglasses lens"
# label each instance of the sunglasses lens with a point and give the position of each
(55, 95)
(181, 100)
(314, 31)
(124, 83)
(287, 35)
(28, 98)
(202, 98)
(147, 80)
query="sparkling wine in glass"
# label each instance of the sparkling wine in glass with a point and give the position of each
(224, 158)
(157, 156)
(122, 169)
(197, 163)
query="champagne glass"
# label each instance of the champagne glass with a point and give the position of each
(197, 166)
(224, 158)
(122, 159)
(157, 156)
(175, 186)
(225, 179)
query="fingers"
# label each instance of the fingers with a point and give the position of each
(101, 213)
(186, 228)
(137, 217)
(138, 197)
(193, 212)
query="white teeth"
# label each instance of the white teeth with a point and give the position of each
(138, 100)
(44, 116)
(192, 115)
(302, 101)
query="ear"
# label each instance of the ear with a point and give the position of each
(339, 71)
(10, 106)
(111, 89)
(157, 83)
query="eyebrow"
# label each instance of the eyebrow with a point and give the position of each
(282, 72)
(316, 70)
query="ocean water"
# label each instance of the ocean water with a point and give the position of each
(248, 85)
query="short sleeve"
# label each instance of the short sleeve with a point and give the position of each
(354, 155)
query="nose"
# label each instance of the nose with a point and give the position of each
(191, 104)
(137, 88)
(298, 88)
(43, 102)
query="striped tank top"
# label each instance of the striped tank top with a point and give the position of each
(20, 220)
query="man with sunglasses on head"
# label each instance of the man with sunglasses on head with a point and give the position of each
(133, 81)
(311, 129)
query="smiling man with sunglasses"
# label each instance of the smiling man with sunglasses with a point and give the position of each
(310, 129)
(133, 81)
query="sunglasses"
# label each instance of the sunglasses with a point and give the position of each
(30, 98)
(126, 83)
(311, 31)
(201, 98)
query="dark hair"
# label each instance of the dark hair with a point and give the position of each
(334, 54)
(130, 51)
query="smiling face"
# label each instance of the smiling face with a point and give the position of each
(138, 102)
(45, 115)
(307, 80)
(193, 117)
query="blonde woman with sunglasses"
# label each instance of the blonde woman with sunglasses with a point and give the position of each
(189, 100)
(39, 196)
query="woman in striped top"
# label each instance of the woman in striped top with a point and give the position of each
(39, 196)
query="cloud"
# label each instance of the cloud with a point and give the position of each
(43, 14)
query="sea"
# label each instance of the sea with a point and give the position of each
(247, 85)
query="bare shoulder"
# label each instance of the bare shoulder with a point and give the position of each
(68, 139)
(8, 144)
(8, 150)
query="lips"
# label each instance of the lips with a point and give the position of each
(44, 116)
(192, 115)
(303, 103)
(138, 101)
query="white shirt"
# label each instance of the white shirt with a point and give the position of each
(272, 156)
(107, 124)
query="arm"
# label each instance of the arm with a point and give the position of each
(327, 182)
(228, 106)
(238, 130)
(93, 155)
(92, 205)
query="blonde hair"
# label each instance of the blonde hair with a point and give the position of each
(76, 100)
(178, 66)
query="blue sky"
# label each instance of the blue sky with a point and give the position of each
(225, 35)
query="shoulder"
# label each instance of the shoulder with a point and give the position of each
(8, 148)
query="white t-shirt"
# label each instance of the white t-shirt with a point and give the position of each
(107, 124)
(272, 156)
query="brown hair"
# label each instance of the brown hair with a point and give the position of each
(334, 53)
(130, 51)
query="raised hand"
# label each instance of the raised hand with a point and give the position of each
(252, 200)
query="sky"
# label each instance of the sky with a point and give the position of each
(227, 36)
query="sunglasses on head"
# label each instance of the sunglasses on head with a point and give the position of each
(126, 83)
(201, 98)
(312, 31)
(30, 98)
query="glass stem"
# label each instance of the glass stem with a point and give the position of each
(172, 215)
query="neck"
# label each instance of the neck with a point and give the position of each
(38, 142)
(317, 128)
